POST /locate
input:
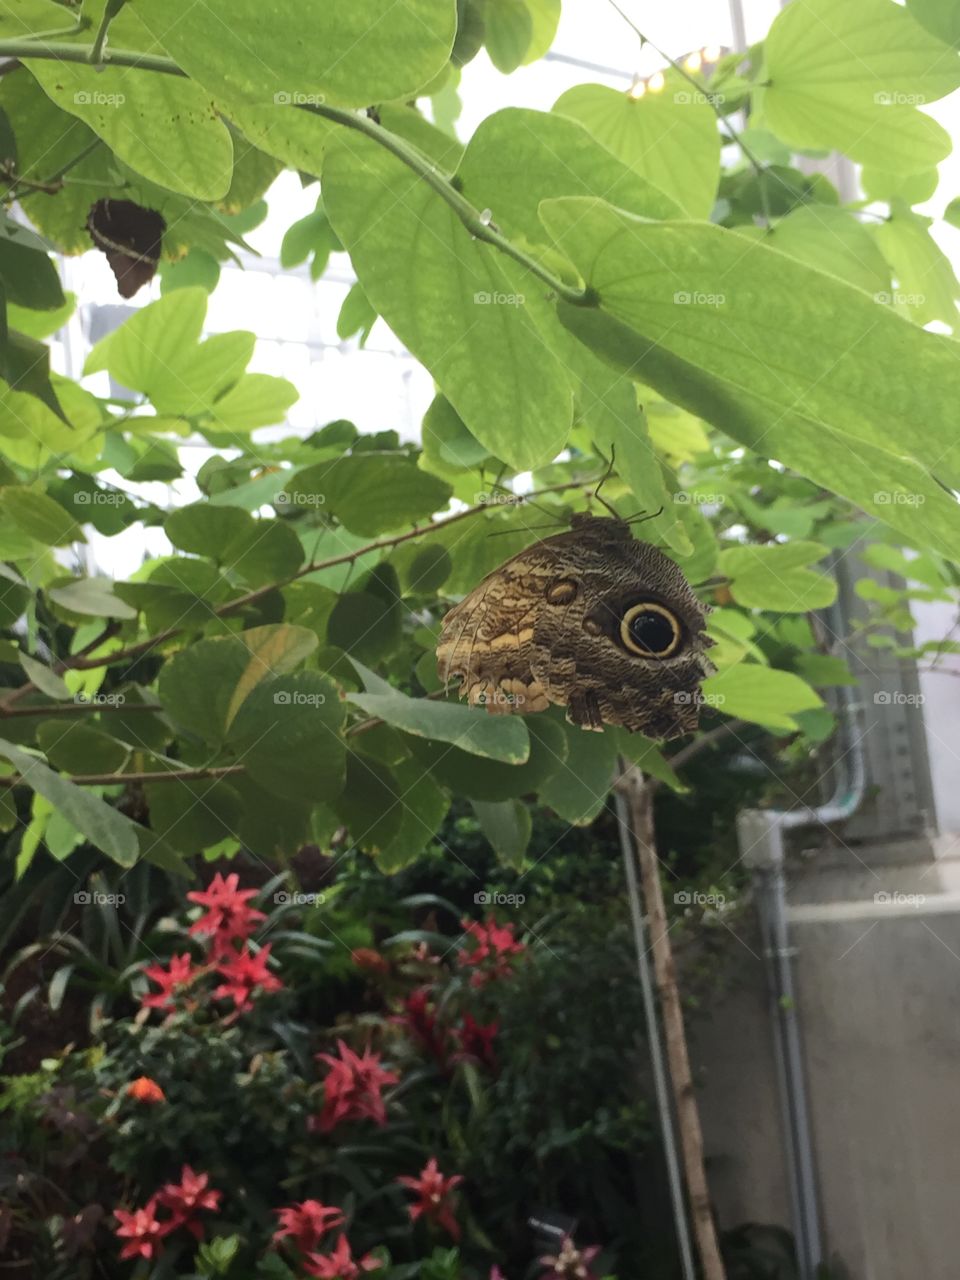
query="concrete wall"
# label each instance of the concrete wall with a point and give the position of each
(879, 998)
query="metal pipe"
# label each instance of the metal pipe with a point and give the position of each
(660, 1082)
(760, 834)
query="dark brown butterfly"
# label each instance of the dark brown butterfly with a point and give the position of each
(591, 619)
(131, 237)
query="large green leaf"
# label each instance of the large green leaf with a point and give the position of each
(164, 127)
(776, 578)
(260, 551)
(103, 825)
(849, 74)
(497, 737)
(204, 686)
(669, 137)
(833, 240)
(449, 299)
(287, 733)
(19, 18)
(940, 17)
(146, 352)
(27, 274)
(354, 54)
(786, 359)
(370, 493)
(481, 778)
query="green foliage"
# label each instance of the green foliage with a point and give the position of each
(617, 288)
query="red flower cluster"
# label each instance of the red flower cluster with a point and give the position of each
(143, 1089)
(144, 1232)
(228, 917)
(492, 957)
(228, 920)
(470, 1042)
(340, 1264)
(352, 1088)
(307, 1222)
(434, 1202)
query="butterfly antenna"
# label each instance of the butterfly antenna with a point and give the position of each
(603, 480)
(642, 516)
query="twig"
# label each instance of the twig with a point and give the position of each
(120, 779)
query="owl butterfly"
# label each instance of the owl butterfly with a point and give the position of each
(131, 237)
(592, 619)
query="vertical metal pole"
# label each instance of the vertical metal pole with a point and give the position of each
(660, 1082)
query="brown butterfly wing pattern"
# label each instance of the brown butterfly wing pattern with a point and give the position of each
(131, 237)
(592, 620)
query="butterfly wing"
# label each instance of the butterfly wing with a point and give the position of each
(486, 641)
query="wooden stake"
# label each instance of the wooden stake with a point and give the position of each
(639, 797)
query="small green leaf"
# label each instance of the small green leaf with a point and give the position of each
(497, 737)
(93, 596)
(776, 578)
(507, 824)
(371, 493)
(103, 825)
(762, 695)
(47, 681)
(39, 516)
(578, 790)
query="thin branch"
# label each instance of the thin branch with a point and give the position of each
(121, 779)
(76, 708)
(470, 217)
(82, 662)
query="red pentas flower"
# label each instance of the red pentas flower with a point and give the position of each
(494, 944)
(370, 959)
(434, 1191)
(244, 974)
(475, 1041)
(228, 915)
(422, 1024)
(340, 1264)
(170, 980)
(570, 1263)
(145, 1090)
(352, 1088)
(191, 1194)
(142, 1231)
(307, 1222)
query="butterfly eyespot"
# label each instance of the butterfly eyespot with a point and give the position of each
(563, 591)
(650, 630)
